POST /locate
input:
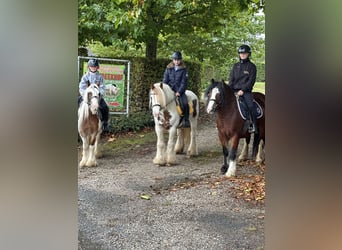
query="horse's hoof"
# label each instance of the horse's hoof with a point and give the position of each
(229, 174)
(158, 162)
(91, 165)
(224, 169)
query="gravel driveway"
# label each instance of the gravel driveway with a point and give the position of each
(129, 203)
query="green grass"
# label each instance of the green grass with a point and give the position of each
(259, 87)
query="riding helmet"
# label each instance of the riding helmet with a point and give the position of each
(177, 55)
(93, 63)
(244, 49)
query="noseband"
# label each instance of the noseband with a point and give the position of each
(159, 105)
(217, 104)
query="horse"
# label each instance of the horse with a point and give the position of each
(231, 126)
(167, 118)
(112, 89)
(90, 125)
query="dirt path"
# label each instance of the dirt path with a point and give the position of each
(129, 203)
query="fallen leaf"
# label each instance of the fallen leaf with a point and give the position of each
(145, 196)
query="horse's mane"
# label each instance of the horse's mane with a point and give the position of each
(163, 91)
(83, 110)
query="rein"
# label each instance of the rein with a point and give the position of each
(159, 105)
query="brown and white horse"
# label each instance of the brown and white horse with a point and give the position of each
(231, 126)
(90, 125)
(166, 118)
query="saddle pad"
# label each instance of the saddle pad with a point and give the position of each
(244, 110)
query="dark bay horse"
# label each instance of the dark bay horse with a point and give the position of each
(230, 125)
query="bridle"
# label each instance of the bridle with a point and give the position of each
(217, 104)
(157, 104)
(97, 96)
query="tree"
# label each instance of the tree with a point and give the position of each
(144, 23)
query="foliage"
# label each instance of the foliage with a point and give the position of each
(135, 122)
(142, 24)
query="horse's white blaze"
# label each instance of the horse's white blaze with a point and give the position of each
(94, 105)
(231, 169)
(211, 102)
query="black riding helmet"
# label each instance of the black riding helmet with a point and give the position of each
(93, 63)
(244, 49)
(177, 55)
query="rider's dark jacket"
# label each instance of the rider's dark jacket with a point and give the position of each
(242, 76)
(176, 79)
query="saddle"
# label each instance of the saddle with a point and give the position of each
(243, 109)
(180, 109)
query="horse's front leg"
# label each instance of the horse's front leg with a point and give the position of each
(225, 155)
(85, 151)
(159, 159)
(98, 152)
(232, 156)
(170, 151)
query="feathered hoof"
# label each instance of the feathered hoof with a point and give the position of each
(82, 163)
(230, 174)
(159, 162)
(91, 164)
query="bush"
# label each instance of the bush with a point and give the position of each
(134, 123)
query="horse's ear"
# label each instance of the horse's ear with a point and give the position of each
(161, 85)
(152, 86)
(88, 83)
(212, 81)
(98, 83)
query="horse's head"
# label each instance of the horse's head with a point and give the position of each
(92, 98)
(215, 95)
(156, 101)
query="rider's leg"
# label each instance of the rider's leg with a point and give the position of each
(104, 115)
(185, 122)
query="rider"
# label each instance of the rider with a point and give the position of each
(176, 77)
(94, 76)
(241, 80)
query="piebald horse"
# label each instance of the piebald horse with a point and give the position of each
(167, 118)
(90, 125)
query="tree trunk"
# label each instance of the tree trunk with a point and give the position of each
(151, 48)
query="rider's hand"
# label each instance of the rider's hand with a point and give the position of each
(177, 94)
(240, 92)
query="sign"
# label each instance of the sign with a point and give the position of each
(114, 80)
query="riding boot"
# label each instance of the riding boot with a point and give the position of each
(254, 128)
(185, 123)
(104, 116)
